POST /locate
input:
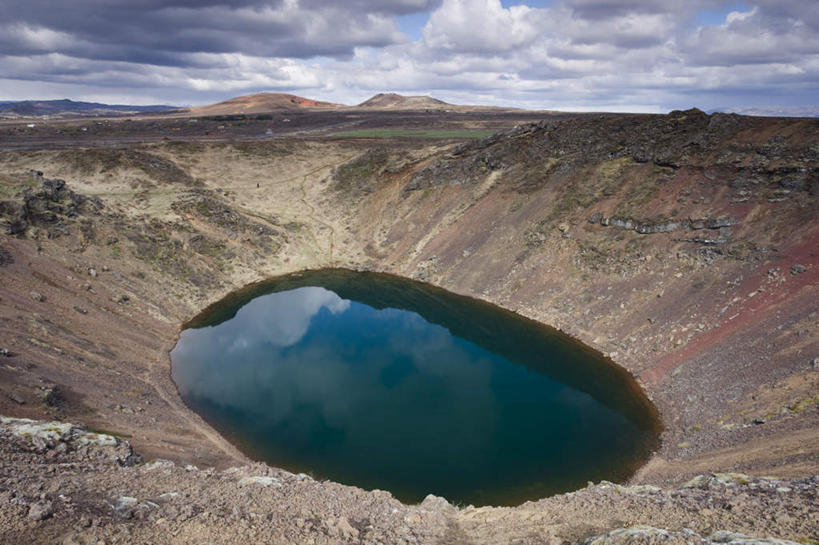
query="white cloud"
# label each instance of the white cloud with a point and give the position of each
(572, 54)
(279, 319)
(481, 26)
(755, 37)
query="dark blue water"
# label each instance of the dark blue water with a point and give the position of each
(380, 382)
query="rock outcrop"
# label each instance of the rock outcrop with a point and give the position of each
(50, 206)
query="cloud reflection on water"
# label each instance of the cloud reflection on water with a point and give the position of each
(285, 372)
(383, 398)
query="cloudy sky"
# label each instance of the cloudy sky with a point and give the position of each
(636, 55)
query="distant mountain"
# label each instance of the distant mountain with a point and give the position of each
(771, 111)
(69, 108)
(394, 101)
(260, 103)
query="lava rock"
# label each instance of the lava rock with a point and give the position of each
(52, 396)
(5, 257)
(40, 511)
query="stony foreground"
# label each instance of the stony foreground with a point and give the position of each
(61, 483)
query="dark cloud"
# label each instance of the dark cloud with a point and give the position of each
(638, 54)
(767, 34)
(389, 7)
(157, 32)
(606, 9)
(790, 10)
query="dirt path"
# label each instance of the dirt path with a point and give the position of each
(313, 215)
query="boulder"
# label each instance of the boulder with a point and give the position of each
(40, 511)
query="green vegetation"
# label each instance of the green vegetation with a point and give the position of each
(639, 194)
(442, 134)
(207, 246)
(263, 148)
(212, 210)
(215, 249)
(11, 185)
(356, 175)
(602, 181)
(532, 178)
(104, 431)
(91, 161)
(236, 117)
(7, 190)
(801, 405)
(162, 252)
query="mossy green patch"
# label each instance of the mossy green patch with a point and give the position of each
(639, 194)
(264, 148)
(432, 134)
(12, 185)
(582, 191)
(207, 246)
(801, 405)
(104, 431)
(533, 177)
(158, 168)
(358, 176)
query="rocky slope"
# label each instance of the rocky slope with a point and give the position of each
(394, 101)
(683, 246)
(64, 484)
(260, 103)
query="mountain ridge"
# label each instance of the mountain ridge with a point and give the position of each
(258, 103)
(395, 101)
(770, 111)
(66, 107)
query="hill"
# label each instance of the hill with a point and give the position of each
(394, 101)
(771, 111)
(261, 103)
(70, 108)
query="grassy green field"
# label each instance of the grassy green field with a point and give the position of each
(414, 133)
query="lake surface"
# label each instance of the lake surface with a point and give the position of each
(381, 382)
